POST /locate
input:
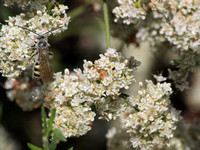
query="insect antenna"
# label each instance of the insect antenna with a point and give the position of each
(37, 33)
(28, 29)
(52, 30)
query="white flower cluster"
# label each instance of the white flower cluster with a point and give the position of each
(153, 121)
(151, 34)
(181, 21)
(15, 42)
(73, 94)
(130, 11)
(110, 108)
(186, 137)
(73, 112)
(74, 120)
(142, 30)
(24, 4)
(175, 21)
(25, 91)
(111, 73)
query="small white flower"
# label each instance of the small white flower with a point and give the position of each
(160, 78)
(129, 11)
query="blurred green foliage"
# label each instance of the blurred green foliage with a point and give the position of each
(49, 132)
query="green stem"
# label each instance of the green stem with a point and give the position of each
(45, 143)
(106, 19)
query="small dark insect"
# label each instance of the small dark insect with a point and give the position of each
(42, 68)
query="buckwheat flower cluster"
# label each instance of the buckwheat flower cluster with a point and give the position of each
(25, 91)
(181, 21)
(110, 108)
(73, 112)
(99, 84)
(74, 121)
(153, 121)
(187, 62)
(142, 30)
(185, 137)
(111, 73)
(15, 42)
(129, 11)
(151, 34)
(24, 4)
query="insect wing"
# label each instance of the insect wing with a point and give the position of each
(46, 72)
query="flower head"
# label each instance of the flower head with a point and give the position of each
(25, 4)
(153, 120)
(180, 21)
(25, 91)
(98, 84)
(15, 42)
(129, 10)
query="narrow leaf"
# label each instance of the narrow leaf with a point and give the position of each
(71, 148)
(51, 119)
(52, 145)
(44, 118)
(57, 137)
(58, 134)
(33, 147)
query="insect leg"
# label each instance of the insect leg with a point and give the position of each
(36, 52)
(34, 46)
(50, 55)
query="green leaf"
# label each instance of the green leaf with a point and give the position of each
(58, 134)
(71, 148)
(44, 122)
(51, 119)
(33, 147)
(53, 145)
(57, 137)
